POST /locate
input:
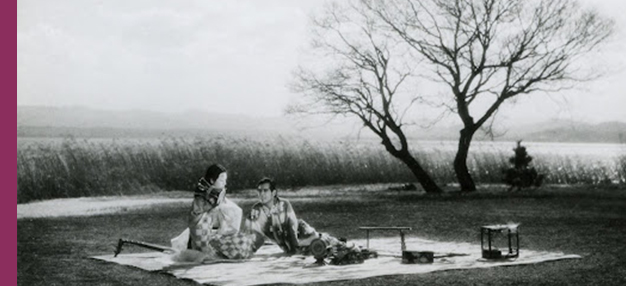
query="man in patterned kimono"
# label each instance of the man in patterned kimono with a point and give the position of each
(274, 217)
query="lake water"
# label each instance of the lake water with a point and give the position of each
(594, 151)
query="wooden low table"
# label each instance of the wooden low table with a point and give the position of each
(401, 229)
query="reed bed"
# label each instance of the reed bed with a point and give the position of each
(75, 168)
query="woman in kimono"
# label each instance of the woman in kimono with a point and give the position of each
(212, 214)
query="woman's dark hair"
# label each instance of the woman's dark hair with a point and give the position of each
(214, 171)
(267, 180)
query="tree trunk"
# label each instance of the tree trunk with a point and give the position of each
(460, 162)
(423, 178)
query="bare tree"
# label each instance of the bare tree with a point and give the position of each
(494, 50)
(361, 75)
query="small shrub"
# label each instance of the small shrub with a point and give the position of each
(521, 175)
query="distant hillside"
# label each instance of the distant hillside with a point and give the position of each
(614, 132)
(43, 121)
(82, 117)
(38, 121)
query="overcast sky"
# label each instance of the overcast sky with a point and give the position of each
(227, 56)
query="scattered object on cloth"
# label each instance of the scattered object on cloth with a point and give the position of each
(499, 241)
(122, 241)
(270, 265)
(412, 257)
(337, 251)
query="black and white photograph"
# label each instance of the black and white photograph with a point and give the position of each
(321, 142)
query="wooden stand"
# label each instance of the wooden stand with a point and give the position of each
(401, 229)
(494, 239)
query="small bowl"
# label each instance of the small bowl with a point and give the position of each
(417, 257)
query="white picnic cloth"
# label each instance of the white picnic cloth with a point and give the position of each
(269, 266)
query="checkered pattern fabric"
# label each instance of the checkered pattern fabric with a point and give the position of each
(234, 246)
(201, 234)
(279, 223)
(205, 224)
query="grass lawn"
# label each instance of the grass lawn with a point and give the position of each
(574, 220)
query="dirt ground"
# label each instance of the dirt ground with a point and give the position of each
(89, 206)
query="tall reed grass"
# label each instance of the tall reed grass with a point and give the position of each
(76, 168)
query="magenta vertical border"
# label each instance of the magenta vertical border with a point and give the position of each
(9, 151)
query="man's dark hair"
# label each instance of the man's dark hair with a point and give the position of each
(267, 180)
(214, 171)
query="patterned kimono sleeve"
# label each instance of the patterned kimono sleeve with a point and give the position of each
(232, 243)
(201, 229)
(291, 223)
(255, 223)
(206, 221)
(199, 206)
(230, 220)
(258, 221)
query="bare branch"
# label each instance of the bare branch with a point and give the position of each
(369, 70)
(534, 50)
